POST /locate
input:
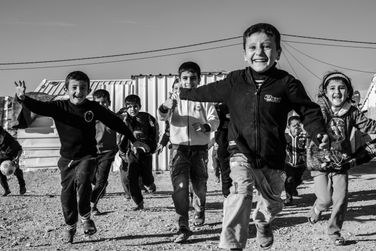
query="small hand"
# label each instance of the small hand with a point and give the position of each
(20, 89)
(323, 140)
(170, 103)
(198, 127)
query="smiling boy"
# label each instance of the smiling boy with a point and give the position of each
(259, 99)
(75, 120)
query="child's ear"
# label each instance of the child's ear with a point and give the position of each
(279, 51)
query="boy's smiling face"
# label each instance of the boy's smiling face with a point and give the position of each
(261, 52)
(189, 79)
(77, 91)
(132, 108)
(337, 92)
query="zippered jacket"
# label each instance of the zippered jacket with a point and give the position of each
(259, 114)
(183, 116)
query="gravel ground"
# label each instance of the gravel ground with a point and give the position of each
(35, 221)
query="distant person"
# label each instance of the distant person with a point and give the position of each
(75, 120)
(106, 150)
(138, 164)
(259, 99)
(296, 140)
(190, 127)
(11, 150)
(341, 117)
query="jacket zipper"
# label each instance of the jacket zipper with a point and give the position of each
(257, 122)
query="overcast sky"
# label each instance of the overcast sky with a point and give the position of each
(49, 30)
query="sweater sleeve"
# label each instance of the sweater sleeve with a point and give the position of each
(47, 109)
(110, 119)
(364, 124)
(309, 111)
(212, 92)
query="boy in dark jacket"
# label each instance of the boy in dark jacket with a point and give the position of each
(259, 99)
(75, 120)
(138, 164)
(11, 150)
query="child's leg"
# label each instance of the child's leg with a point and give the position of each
(289, 182)
(133, 178)
(21, 181)
(270, 184)
(146, 170)
(101, 176)
(199, 178)
(125, 180)
(68, 191)
(179, 171)
(4, 184)
(237, 206)
(323, 191)
(339, 208)
(84, 176)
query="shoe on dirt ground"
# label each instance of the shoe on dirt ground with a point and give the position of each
(151, 189)
(183, 235)
(95, 211)
(69, 235)
(199, 219)
(22, 190)
(138, 207)
(6, 192)
(89, 227)
(313, 216)
(264, 235)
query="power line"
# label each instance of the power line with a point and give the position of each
(321, 61)
(331, 45)
(174, 48)
(117, 61)
(297, 60)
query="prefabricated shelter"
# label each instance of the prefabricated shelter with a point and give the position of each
(40, 140)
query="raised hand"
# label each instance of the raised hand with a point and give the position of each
(323, 140)
(20, 89)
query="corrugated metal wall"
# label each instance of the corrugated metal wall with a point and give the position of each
(41, 143)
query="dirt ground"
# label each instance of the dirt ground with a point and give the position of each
(35, 221)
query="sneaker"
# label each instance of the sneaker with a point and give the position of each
(339, 241)
(264, 236)
(151, 189)
(95, 211)
(69, 235)
(6, 192)
(287, 201)
(22, 190)
(313, 217)
(89, 227)
(183, 235)
(138, 207)
(199, 219)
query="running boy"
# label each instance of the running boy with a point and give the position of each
(75, 120)
(259, 99)
(190, 127)
(106, 150)
(11, 150)
(140, 163)
(335, 99)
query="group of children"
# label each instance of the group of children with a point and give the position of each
(252, 140)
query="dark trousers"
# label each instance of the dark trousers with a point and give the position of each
(188, 165)
(223, 157)
(76, 178)
(104, 161)
(293, 178)
(19, 175)
(133, 167)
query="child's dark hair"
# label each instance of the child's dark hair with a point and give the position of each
(132, 98)
(79, 76)
(191, 67)
(292, 118)
(266, 28)
(102, 93)
(336, 75)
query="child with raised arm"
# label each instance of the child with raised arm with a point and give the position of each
(190, 127)
(259, 99)
(75, 120)
(341, 117)
(11, 150)
(106, 150)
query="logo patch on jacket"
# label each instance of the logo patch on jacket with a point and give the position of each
(270, 98)
(88, 116)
